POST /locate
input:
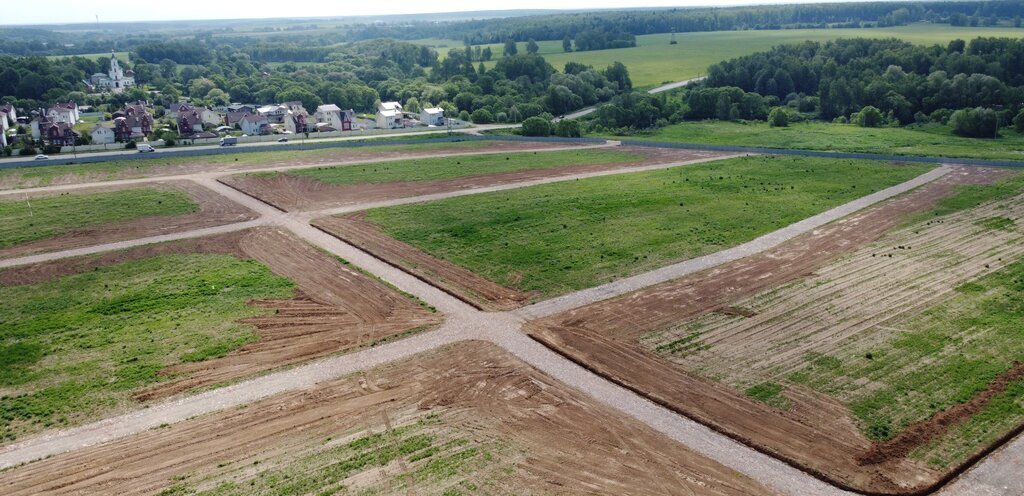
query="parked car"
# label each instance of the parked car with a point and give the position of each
(282, 140)
(228, 141)
(41, 157)
(145, 148)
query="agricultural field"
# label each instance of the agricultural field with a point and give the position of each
(50, 221)
(89, 336)
(121, 56)
(654, 61)
(552, 239)
(881, 351)
(322, 187)
(467, 419)
(37, 176)
(920, 140)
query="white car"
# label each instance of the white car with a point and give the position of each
(41, 157)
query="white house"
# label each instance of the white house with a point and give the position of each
(273, 113)
(330, 115)
(102, 135)
(389, 119)
(255, 125)
(8, 120)
(211, 117)
(432, 116)
(392, 106)
(63, 112)
(296, 122)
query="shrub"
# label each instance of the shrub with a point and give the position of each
(868, 117)
(482, 116)
(51, 149)
(130, 145)
(536, 126)
(778, 117)
(1018, 122)
(974, 123)
(841, 120)
(28, 150)
(8, 151)
(169, 142)
(464, 116)
(568, 128)
(941, 116)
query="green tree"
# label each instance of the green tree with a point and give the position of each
(536, 126)
(298, 94)
(778, 117)
(510, 48)
(1018, 122)
(566, 44)
(168, 68)
(568, 128)
(487, 53)
(868, 117)
(532, 47)
(974, 123)
(482, 116)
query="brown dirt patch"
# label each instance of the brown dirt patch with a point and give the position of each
(457, 281)
(817, 433)
(336, 308)
(214, 210)
(552, 439)
(293, 193)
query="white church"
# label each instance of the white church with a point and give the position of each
(114, 81)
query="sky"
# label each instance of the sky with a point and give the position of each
(83, 11)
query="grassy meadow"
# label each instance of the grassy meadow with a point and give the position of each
(433, 169)
(927, 140)
(25, 220)
(654, 61)
(77, 346)
(562, 237)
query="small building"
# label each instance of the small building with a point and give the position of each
(102, 135)
(332, 116)
(59, 134)
(389, 119)
(232, 118)
(255, 125)
(211, 117)
(189, 122)
(133, 122)
(273, 113)
(241, 108)
(392, 106)
(432, 116)
(8, 120)
(64, 112)
(297, 122)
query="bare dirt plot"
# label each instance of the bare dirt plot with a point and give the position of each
(335, 309)
(214, 210)
(291, 193)
(30, 177)
(469, 419)
(816, 432)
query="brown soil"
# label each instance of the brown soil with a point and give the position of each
(214, 210)
(816, 433)
(154, 167)
(294, 193)
(555, 441)
(336, 309)
(920, 433)
(456, 280)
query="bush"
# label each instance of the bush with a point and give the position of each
(28, 150)
(941, 116)
(51, 149)
(169, 142)
(868, 117)
(482, 116)
(841, 120)
(8, 151)
(974, 123)
(921, 118)
(778, 117)
(1018, 122)
(536, 126)
(464, 116)
(568, 128)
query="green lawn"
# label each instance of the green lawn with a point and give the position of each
(24, 177)
(27, 220)
(574, 235)
(78, 346)
(453, 167)
(654, 61)
(928, 140)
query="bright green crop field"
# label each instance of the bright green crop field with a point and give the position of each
(573, 235)
(654, 61)
(78, 346)
(924, 140)
(25, 220)
(454, 167)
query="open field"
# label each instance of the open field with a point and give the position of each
(552, 239)
(40, 222)
(93, 335)
(30, 177)
(654, 61)
(121, 56)
(468, 419)
(644, 339)
(927, 140)
(319, 188)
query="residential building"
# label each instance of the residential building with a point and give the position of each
(189, 122)
(332, 116)
(8, 120)
(114, 81)
(255, 125)
(273, 113)
(102, 135)
(432, 116)
(232, 118)
(393, 106)
(63, 112)
(211, 117)
(297, 122)
(389, 115)
(241, 108)
(59, 134)
(133, 122)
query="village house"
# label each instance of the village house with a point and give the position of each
(240, 108)
(273, 113)
(389, 115)
(232, 118)
(255, 125)
(102, 135)
(133, 122)
(64, 112)
(59, 134)
(211, 117)
(189, 122)
(8, 120)
(333, 117)
(297, 122)
(432, 116)
(114, 81)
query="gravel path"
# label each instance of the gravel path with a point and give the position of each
(465, 323)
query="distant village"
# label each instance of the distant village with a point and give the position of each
(61, 125)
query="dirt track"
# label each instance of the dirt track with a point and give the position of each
(291, 193)
(214, 210)
(540, 436)
(606, 338)
(336, 309)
